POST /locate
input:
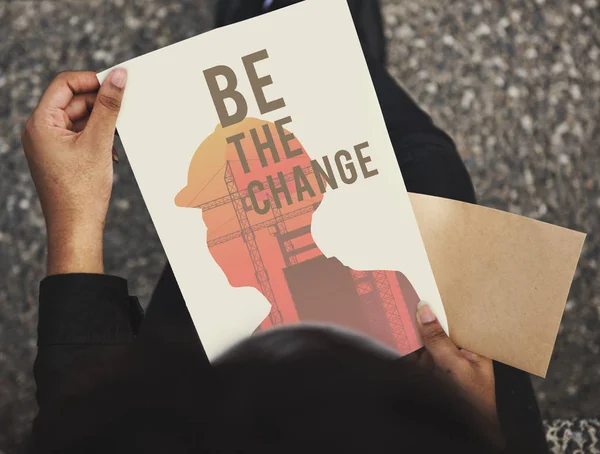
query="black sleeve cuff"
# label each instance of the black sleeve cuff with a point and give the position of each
(518, 411)
(86, 309)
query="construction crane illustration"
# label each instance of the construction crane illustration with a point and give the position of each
(372, 286)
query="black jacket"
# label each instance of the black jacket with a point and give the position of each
(100, 364)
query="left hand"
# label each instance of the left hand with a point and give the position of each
(68, 142)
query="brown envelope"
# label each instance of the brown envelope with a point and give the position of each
(504, 279)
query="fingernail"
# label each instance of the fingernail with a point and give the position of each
(119, 77)
(425, 313)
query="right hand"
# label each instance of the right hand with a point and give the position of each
(472, 373)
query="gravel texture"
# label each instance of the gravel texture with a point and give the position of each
(517, 83)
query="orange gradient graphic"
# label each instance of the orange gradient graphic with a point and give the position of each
(275, 252)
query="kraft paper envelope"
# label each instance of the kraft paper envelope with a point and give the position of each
(504, 279)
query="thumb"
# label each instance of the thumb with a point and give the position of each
(436, 341)
(103, 119)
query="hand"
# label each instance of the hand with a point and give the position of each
(472, 373)
(68, 142)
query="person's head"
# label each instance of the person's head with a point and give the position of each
(238, 186)
(311, 389)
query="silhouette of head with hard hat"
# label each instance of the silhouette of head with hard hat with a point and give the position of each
(218, 183)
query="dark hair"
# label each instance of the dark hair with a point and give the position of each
(311, 388)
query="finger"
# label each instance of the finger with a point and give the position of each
(482, 363)
(103, 120)
(81, 106)
(79, 126)
(472, 357)
(65, 86)
(443, 351)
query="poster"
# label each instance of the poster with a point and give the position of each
(262, 155)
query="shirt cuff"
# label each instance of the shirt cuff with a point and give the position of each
(86, 309)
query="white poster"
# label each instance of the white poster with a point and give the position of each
(262, 155)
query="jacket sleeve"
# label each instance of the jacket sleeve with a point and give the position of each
(87, 324)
